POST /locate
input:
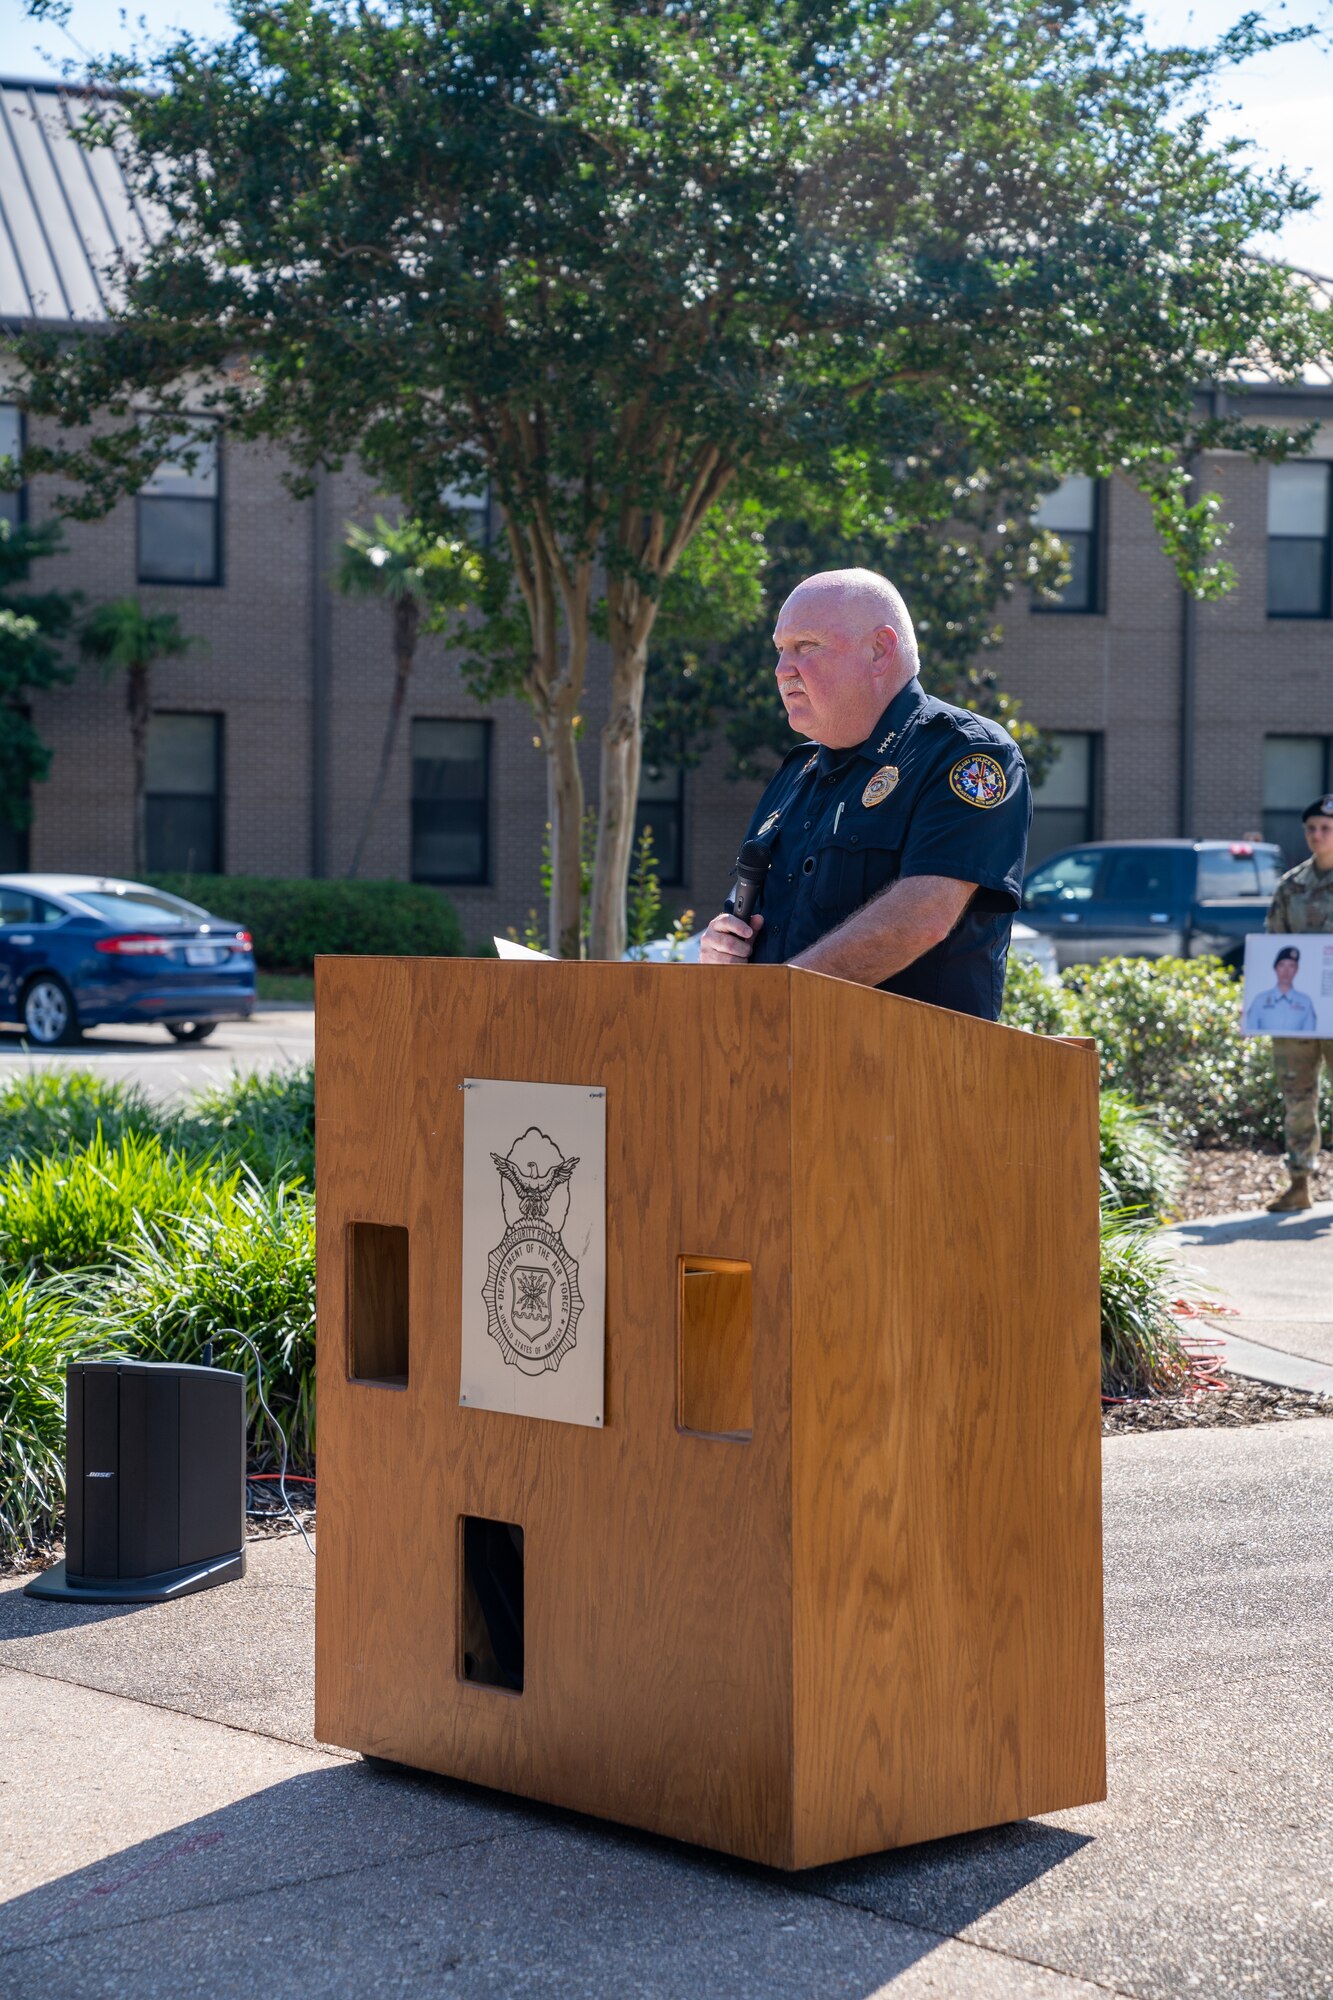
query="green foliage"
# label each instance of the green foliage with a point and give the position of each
(121, 637)
(66, 1212)
(264, 1122)
(55, 1111)
(293, 920)
(1034, 1002)
(243, 1260)
(31, 625)
(1141, 1170)
(41, 1331)
(1168, 1032)
(644, 904)
(404, 560)
(1141, 1349)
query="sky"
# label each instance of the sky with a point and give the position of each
(1283, 102)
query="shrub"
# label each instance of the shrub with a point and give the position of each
(1141, 1169)
(244, 1260)
(57, 1111)
(264, 1122)
(41, 1331)
(1034, 1002)
(65, 1212)
(292, 921)
(1141, 1348)
(1169, 1035)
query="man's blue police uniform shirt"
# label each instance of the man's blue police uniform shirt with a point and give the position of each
(933, 790)
(1279, 1013)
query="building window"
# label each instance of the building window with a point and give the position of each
(1064, 803)
(12, 499)
(180, 513)
(661, 806)
(1073, 512)
(451, 796)
(14, 848)
(1298, 541)
(183, 806)
(1297, 769)
(473, 509)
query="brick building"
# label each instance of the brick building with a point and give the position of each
(1171, 718)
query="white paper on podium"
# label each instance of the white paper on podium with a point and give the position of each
(506, 948)
(534, 1249)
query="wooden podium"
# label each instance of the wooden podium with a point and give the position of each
(828, 1578)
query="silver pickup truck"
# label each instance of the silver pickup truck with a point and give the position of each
(1152, 898)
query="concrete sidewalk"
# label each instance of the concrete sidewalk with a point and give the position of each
(1277, 1271)
(168, 1828)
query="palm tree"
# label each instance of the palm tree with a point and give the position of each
(420, 576)
(122, 636)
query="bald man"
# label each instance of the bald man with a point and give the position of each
(897, 829)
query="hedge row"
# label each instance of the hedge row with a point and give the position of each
(293, 920)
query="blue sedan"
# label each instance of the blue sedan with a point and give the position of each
(82, 951)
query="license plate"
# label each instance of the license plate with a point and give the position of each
(205, 954)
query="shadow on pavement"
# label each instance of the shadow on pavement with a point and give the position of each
(1300, 1227)
(360, 1877)
(23, 1617)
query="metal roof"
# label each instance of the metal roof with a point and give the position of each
(66, 213)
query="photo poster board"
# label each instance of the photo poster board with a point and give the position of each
(1293, 997)
(534, 1250)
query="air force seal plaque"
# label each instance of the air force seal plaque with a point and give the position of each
(531, 1291)
(533, 1278)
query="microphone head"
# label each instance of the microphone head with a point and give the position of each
(753, 861)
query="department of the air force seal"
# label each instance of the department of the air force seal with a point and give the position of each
(979, 780)
(880, 785)
(531, 1291)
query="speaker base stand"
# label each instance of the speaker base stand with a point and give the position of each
(158, 1589)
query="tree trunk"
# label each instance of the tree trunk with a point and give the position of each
(138, 699)
(406, 626)
(564, 785)
(621, 755)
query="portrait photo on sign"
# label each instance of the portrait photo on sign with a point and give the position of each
(1288, 988)
(534, 1249)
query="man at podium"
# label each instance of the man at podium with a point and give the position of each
(895, 833)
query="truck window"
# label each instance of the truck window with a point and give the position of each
(1141, 875)
(1070, 878)
(1242, 870)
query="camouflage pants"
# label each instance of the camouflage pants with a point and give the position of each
(1297, 1065)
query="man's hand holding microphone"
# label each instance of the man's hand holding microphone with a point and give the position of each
(729, 939)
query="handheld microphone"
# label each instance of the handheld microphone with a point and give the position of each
(752, 865)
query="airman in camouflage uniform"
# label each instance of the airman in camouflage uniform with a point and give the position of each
(1303, 902)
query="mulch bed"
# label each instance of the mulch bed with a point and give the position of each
(1238, 1404)
(1223, 1180)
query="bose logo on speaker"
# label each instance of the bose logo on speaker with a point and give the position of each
(101, 1475)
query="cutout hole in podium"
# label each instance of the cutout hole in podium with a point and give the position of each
(490, 1602)
(377, 1303)
(716, 1348)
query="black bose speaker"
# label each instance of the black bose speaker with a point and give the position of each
(154, 1482)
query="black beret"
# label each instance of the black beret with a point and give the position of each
(1287, 951)
(1324, 807)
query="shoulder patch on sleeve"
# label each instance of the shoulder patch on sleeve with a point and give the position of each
(979, 779)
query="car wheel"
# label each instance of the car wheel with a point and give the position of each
(49, 1014)
(190, 1031)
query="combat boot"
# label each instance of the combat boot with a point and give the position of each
(1295, 1195)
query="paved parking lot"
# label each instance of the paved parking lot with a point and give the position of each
(166, 1069)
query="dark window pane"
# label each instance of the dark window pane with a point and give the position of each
(13, 848)
(183, 754)
(450, 801)
(11, 446)
(1054, 827)
(1287, 829)
(15, 907)
(1296, 572)
(1139, 876)
(1080, 593)
(183, 834)
(177, 541)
